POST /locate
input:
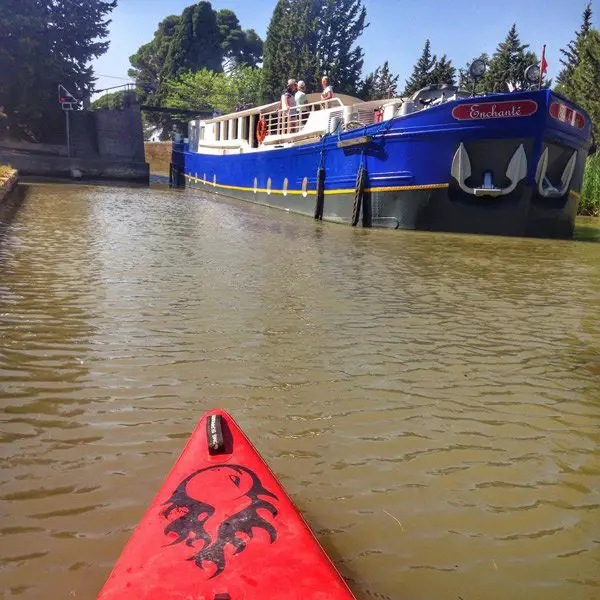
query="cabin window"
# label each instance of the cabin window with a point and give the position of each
(305, 187)
(201, 137)
(234, 129)
(285, 186)
(217, 127)
(269, 186)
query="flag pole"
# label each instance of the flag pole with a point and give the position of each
(542, 67)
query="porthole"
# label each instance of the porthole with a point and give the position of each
(214, 181)
(255, 185)
(305, 187)
(285, 186)
(269, 186)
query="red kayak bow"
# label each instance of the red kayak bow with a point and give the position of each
(222, 528)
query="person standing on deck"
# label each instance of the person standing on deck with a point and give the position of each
(327, 93)
(301, 98)
(288, 107)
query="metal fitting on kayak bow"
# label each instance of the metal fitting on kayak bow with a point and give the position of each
(515, 172)
(545, 188)
(214, 434)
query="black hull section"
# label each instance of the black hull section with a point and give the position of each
(522, 213)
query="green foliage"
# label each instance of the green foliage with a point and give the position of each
(114, 100)
(590, 192)
(422, 71)
(570, 60)
(507, 65)
(583, 85)
(382, 83)
(339, 25)
(196, 42)
(240, 48)
(198, 39)
(207, 90)
(310, 38)
(466, 82)
(444, 72)
(44, 43)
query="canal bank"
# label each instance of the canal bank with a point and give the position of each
(429, 401)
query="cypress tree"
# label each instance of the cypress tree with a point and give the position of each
(196, 42)
(571, 58)
(422, 71)
(240, 48)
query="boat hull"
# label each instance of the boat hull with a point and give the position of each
(413, 181)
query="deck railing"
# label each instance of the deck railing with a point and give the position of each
(293, 120)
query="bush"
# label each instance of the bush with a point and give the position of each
(590, 191)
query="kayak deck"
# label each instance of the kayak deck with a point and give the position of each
(222, 528)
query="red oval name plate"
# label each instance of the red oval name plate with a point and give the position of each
(508, 109)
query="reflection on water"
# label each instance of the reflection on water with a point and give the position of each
(430, 401)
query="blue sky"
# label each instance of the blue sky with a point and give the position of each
(398, 28)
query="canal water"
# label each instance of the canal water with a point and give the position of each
(431, 402)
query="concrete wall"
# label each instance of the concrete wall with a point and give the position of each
(77, 168)
(120, 133)
(105, 144)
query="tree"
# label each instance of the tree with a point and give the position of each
(290, 46)
(571, 52)
(44, 43)
(466, 82)
(196, 42)
(206, 90)
(444, 72)
(340, 23)
(310, 38)
(240, 48)
(584, 83)
(199, 38)
(422, 71)
(112, 100)
(382, 83)
(508, 64)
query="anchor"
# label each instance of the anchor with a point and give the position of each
(545, 188)
(515, 172)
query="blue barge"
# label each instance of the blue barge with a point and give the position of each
(441, 160)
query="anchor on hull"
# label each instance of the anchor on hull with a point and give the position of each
(545, 187)
(515, 173)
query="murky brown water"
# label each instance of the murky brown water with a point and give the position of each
(431, 402)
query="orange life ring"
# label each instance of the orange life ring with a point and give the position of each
(261, 131)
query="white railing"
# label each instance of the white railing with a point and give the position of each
(293, 120)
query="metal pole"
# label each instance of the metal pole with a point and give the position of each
(68, 134)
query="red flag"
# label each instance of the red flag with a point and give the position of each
(543, 67)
